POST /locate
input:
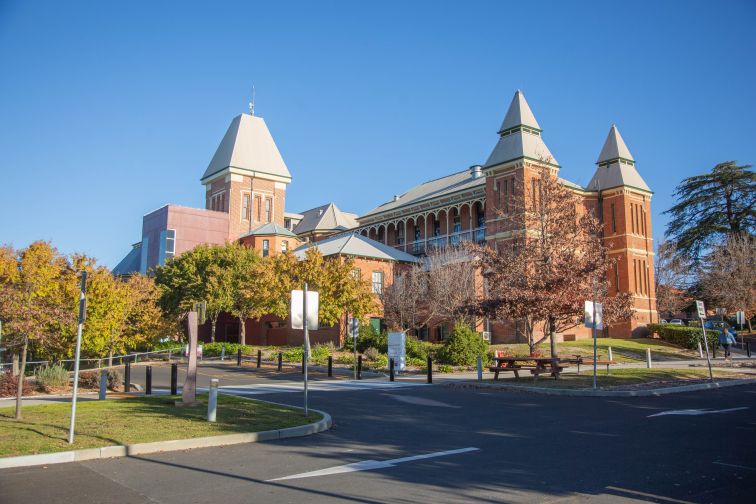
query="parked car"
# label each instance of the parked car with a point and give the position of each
(676, 321)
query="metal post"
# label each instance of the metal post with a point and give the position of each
(303, 363)
(174, 378)
(127, 377)
(359, 367)
(259, 357)
(223, 351)
(593, 330)
(330, 366)
(610, 354)
(82, 316)
(306, 352)
(103, 385)
(648, 358)
(212, 400)
(706, 345)
(480, 368)
(280, 361)
(391, 369)
(148, 380)
(430, 370)
(700, 350)
(238, 357)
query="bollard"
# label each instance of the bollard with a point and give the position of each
(748, 349)
(238, 357)
(430, 370)
(148, 380)
(223, 351)
(280, 360)
(259, 357)
(330, 366)
(391, 369)
(174, 378)
(303, 362)
(169, 355)
(700, 350)
(610, 354)
(127, 377)
(648, 358)
(359, 367)
(480, 368)
(714, 351)
(212, 400)
(103, 385)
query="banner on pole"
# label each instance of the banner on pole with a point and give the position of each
(297, 309)
(589, 315)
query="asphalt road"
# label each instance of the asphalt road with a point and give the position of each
(520, 448)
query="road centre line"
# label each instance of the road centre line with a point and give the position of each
(696, 412)
(369, 465)
(735, 465)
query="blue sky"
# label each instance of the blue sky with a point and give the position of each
(109, 110)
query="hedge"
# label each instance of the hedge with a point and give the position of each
(687, 337)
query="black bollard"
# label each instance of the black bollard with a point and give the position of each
(127, 377)
(430, 370)
(259, 357)
(280, 360)
(174, 378)
(147, 380)
(238, 357)
(714, 351)
(359, 367)
(391, 369)
(330, 366)
(748, 349)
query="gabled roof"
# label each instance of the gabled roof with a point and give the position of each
(616, 166)
(520, 136)
(356, 245)
(270, 229)
(432, 189)
(614, 147)
(248, 147)
(129, 264)
(325, 218)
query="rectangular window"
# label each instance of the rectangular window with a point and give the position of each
(632, 218)
(533, 187)
(170, 243)
(268, 204)
(284, 246)
(245, 207)
(614, 221)
(377, 282)
(616, 277)
(643, 221)
(258, 208)
(497, 191)
(635, 275)
(506, 196)
(356, 273)
(266, 248)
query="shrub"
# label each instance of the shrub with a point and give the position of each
(215, 349)
(50, 377)
(686, 337)
(9, 385)
(369, 337)
(415, 362)
(293, 354)
(371, 354)
(320, 352)
(380, 362)
(445, 368)
(344, 359)
(114, 380)
(89, 379)
(463, 347)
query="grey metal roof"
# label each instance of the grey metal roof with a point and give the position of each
(130, 263)
(358, 246)
(614, 147)
(326, 218)
(432, 189)
(270, 229)
(248, 146)
(519, 113)
(616, 166)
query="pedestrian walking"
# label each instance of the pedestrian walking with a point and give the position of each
(726, 338)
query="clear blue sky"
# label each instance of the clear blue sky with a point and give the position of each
(110, 110)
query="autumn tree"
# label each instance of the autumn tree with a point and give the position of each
(554, 261)
(672, 277)
(728, 279)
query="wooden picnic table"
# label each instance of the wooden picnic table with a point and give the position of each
(543, 365)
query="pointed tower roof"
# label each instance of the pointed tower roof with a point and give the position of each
(520, 136)
(519, 114)
(616, 166)
(248, 148)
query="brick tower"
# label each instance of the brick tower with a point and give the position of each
(625, 201)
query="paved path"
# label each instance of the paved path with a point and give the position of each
(429, 444)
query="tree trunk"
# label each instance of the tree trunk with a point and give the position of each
(22, 372)
(242, 332)
(110, 357)
(552, 337)
(14, 366)
(213, 321)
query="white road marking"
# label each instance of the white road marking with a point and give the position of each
(695, 412)
(653, 496)
(315, 386)
(735, 465)
(593, 433)
(369, 465)
(420, 401)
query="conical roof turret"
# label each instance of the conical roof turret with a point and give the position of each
(616, 166)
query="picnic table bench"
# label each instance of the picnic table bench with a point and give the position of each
(587, 361)
(543, 365)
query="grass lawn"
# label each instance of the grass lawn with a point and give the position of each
(44, 428)
(620, 378)
(623, 350)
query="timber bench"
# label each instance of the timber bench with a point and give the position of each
(580, 360)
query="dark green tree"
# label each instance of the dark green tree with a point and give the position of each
(712, 208)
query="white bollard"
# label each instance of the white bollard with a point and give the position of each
(223, 351)
(480, 368)
(648, 358)
(700, 350)
(610, 353)
(212, 400)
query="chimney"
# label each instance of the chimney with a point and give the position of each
(476, 171)
(396, 197)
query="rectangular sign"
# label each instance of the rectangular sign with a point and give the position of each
(589, 315)
(740, 318)
(396, 349)
(700, 309)
(297, 308)
(354, 327)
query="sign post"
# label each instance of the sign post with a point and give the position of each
(304, 315)
(354, 327)
(595, 320)
(82, 317)
(702, 317)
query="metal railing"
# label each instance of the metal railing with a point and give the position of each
(168, 354)
(419, 247)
